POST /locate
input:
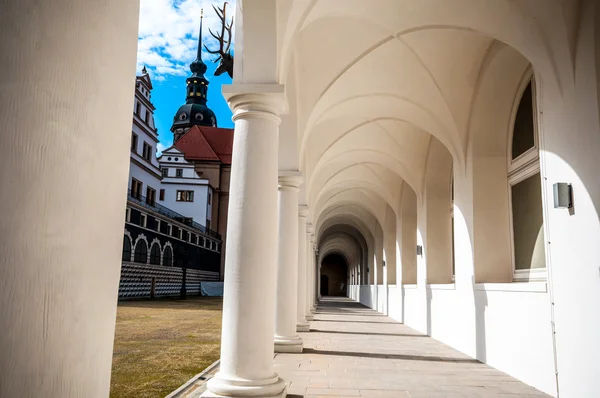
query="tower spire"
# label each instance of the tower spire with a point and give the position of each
(195, 112)
(198, 67)
(199, 56)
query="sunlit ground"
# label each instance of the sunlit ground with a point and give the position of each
(161, 344)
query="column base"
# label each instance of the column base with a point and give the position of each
(291, 345)
(302, 327)
(225, 388)
(309, 317)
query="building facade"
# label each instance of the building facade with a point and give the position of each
(167, 221)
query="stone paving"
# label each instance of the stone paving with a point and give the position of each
(353, 351)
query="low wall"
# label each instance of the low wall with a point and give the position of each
(136, 280)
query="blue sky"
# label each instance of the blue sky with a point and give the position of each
(167, 44)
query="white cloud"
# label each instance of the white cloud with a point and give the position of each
(168, 34)
(160, 147)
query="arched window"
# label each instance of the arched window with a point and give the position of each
(168, 257)
(141, 252)
(155, 254)
(126, 248)
(525, 191)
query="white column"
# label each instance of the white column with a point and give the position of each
(286, 337)
(309, 281)
(66, 101)
(318, 293)
(251, 258)
(302, 325)
(313, 286)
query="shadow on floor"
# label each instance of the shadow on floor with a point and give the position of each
(369, 334)
(337, 320)
(389, 356)
(349, 313)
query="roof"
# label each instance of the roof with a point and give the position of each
(207, 143)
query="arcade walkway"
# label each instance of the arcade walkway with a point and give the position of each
(353, 351)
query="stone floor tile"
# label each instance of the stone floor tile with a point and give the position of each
(333, 392)
(384, 394)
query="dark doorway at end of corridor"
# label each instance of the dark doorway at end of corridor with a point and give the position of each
(334, 276)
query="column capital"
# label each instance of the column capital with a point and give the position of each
(246, 100)
(303, 211)
(309, 228)
(290, 179)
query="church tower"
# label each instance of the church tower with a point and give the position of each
(194, 112)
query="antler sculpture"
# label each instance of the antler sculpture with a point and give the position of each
(225, 57)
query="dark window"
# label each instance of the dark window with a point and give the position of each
(151, 222)
(136, 188)
(147, 118)
(164, 228)
(523, 132)
(528, 223)
(185, 235)
(134, 142)
(185, 196)
(141, 252)
(155, 254)
(138, 108)
(147, 153)
(178, 172)
(126, 248)
(168, 257)
(161, 195)
(165, 171)
(150, 196)
(175, 231)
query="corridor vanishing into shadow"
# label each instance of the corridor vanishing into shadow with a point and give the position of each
(353, 351)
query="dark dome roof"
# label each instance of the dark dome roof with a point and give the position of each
(189, 115)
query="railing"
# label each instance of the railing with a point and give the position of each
(142, 201)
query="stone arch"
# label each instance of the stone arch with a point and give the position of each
(155, 257)
(127, 240)
(167, 261)
(493, 113)
(141, 251)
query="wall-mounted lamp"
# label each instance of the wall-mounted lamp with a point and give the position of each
(563, 195)
(419, 250)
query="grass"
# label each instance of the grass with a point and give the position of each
(161, 344)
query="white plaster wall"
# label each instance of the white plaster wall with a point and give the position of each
(395, 306)
(195, 209)
(145, 177)
(367, 295)
(412, 312)
(382, 299)
(143, 136)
